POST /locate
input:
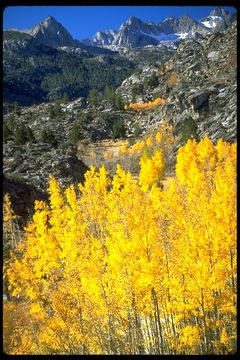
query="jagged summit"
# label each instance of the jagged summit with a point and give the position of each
(50, 19)
(219, 11)
(133, 20)
(51, 33)
(136, 33)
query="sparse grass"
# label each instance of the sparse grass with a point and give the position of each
(105, 152)
(172, 80)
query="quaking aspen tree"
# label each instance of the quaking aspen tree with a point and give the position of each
(119, 266)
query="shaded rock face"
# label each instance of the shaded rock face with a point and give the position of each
(182, 25)
(35, 162)
(66, 169)
(200, 101)
(225, 23)
(22, 197)
(103, 38)
(128, 38)
(219, 11)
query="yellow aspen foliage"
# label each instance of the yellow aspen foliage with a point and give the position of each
(10, 227)
(189, 336)
(55, 194)
(224, 337)
(124, 149)
(163, 139)
(137, 148)
(152, 170)
(149, 141)
(158, 137)
(8, 214)
(119, 266)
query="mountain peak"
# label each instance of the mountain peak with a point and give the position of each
(133, 20)
(135, 32)
(50, 19)
(169, 18)
(51, 33)
(219, 11)
(185, 16)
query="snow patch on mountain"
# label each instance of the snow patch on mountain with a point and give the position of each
(211, 21)
(182, 35)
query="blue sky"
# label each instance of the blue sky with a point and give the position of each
(85, 21)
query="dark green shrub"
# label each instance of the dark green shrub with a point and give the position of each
(118, 102)
(55, 110)
(23, 134)
(7, 133)
(188, 130)
(48, 136)
(134, 93)
(108, 94)
(65, 98)
(119, 129)
(93, 97)
(16, 108)
(76, 133)
(11, 123)
(151, 82)
(79, 127)
(137, 131)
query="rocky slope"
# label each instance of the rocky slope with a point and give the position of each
(34, 163)
(199, 82)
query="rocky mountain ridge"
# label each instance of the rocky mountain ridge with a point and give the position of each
(133, 32)
(137, 33)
